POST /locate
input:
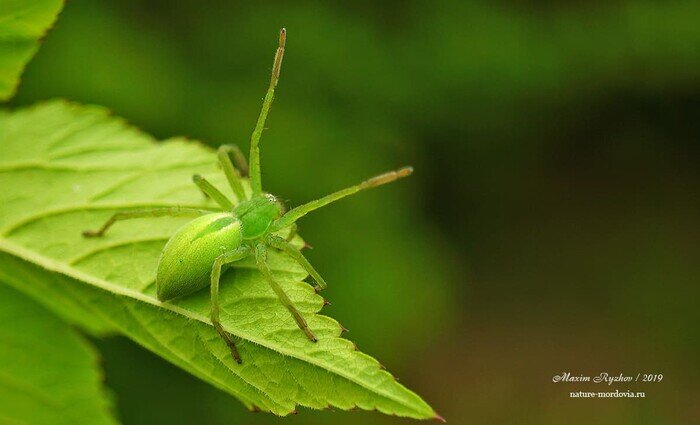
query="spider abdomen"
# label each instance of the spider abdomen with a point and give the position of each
(186, 261)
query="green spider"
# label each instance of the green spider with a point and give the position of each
(194, 256)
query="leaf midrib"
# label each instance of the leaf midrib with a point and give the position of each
(59, 267)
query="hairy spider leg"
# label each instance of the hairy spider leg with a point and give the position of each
(284, 246)
(211, 191)
(254, 157)
(223, 259)
(238, 158)
(232, 174)
(145, 213)
(296, 213)
(261, 260)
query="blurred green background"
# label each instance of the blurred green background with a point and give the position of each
(551, 224)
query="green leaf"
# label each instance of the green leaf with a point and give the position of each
(65, 168)
(48, 373)
(22, 24)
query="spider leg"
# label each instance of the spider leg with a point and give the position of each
(144, 213)
(221, 260)
(261, 259)
(232, 174)
(289, 249)
(211, 191)
(238, 158)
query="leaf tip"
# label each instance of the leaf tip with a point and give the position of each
(439, 418)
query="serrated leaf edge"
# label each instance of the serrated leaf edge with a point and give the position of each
(58, 267)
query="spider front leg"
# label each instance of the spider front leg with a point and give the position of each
(211, 191)
(144, 213)
(225, 258)
(261, 260)
(289, 249)
(238, 158)
(232, 174)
